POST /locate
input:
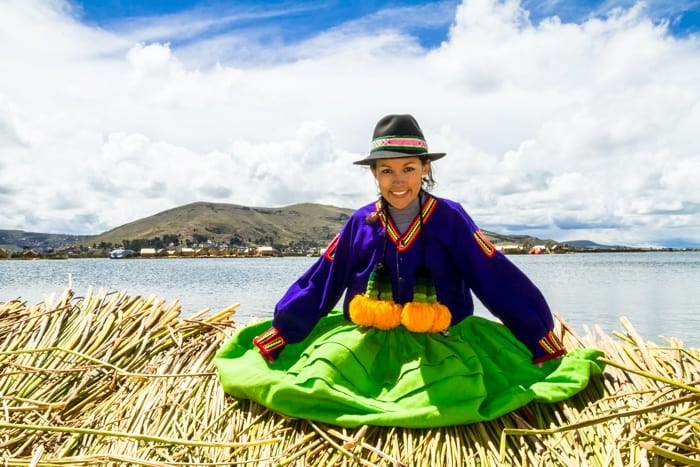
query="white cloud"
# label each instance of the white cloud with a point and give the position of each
(563, 130)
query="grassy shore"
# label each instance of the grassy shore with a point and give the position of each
(113, 379)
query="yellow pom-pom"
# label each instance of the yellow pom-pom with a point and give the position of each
(417, 317)
(442, 319)
(361, 310)
(387, 315)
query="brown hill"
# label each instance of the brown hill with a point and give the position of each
(300, 225)
(291, 228)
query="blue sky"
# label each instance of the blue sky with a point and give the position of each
(561, 119)
(275, 22)
(286, 20)
(299, 19)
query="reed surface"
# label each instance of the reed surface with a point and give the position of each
(113, 379)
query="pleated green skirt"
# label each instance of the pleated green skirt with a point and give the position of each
(350, 376)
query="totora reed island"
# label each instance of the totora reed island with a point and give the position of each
(115, 379)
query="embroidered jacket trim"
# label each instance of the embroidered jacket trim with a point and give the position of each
(552, 346)
(269, 343)
(404, 242)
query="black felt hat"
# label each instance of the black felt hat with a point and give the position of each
(398, 136)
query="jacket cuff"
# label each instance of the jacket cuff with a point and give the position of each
(270, 343)
(549, 347)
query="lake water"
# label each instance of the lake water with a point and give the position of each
(659, 292)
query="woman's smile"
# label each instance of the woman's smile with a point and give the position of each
(400, 179)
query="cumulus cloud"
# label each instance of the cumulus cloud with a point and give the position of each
(555, 129)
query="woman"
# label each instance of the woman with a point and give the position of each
(406, 349)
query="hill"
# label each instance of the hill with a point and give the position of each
(593, 245)
(291, 229)
(501, 239)
(20, 239)
(296, 226)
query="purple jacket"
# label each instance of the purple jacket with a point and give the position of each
(455, 251)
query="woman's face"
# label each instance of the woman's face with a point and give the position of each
(400, 179)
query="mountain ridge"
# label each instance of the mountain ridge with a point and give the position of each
(297, 224)
(294, 227)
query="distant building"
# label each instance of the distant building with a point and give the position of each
(267, 251)
(147, 252)
(539, 249)
(29, 253)
(185, 251)
(510, 248)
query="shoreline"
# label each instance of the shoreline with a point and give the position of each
(20, 257)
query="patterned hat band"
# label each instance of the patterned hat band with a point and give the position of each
(397, 136)
(400, 144)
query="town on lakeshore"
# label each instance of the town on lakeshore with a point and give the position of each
(222, 250)
(224, 230)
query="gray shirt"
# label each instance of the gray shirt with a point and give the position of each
(404, 217)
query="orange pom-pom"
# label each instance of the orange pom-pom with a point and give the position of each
(443, 317)
(417, 317)
(387, 315)
(381, 314)
(361, 310)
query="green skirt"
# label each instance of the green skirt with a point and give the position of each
(350, 376)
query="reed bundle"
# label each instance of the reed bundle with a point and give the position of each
(113, 379)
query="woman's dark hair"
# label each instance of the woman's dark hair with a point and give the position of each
(428, 182)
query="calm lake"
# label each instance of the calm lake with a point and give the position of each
(658, 292)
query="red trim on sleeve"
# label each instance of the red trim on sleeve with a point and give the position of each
(484, 243)
(552, 345)
(329, 253)
(269, 343)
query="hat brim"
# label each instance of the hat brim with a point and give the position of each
(378, 155)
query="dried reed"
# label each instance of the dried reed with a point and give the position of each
(113, 379)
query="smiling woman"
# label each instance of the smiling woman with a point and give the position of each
(406, 348)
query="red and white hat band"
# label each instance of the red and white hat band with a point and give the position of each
(394, 143)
